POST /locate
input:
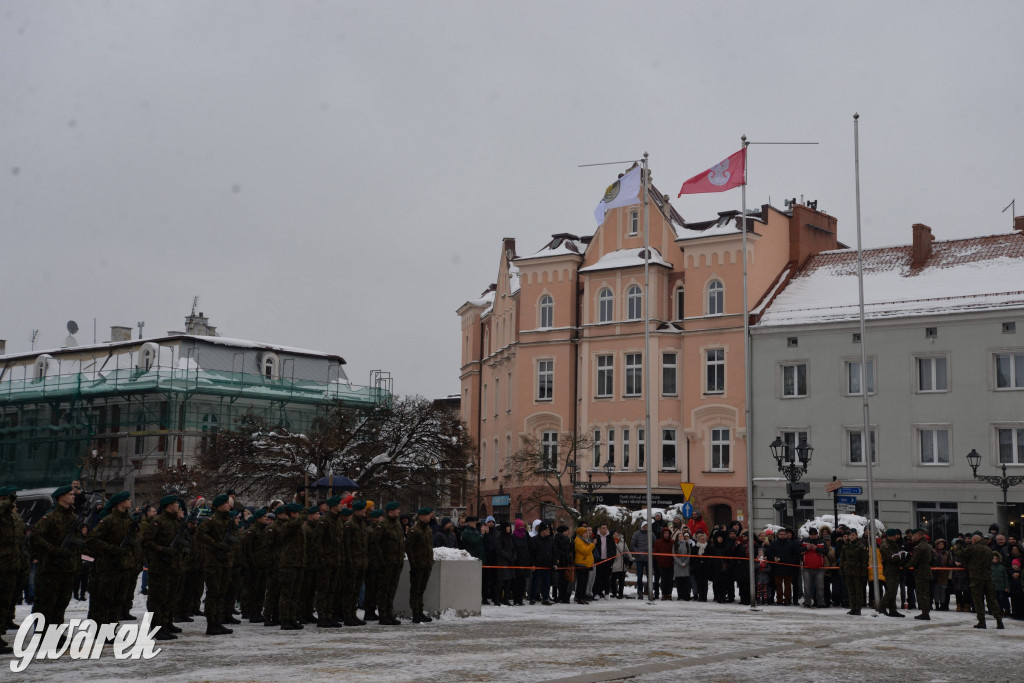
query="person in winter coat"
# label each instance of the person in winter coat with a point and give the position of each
(681, 563)
(642, 556)
(721, 569)
(504, 556)
(583, 560)
(543, 549)
(942, 558)
(445, 536)
(522, 562)
(785, 552)
(1001, 581)
(622, 558)
(812, 559)
(658, 524)
(697, 524)
(1016, 587)
(664, 561)
(700, 567)
(604, 551)
(563, 562)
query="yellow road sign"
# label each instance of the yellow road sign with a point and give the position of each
(687, 488)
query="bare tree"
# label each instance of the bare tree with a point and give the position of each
(548, 470)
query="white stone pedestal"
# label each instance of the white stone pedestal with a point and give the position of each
(453, 584)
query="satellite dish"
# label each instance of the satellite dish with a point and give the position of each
(72, 327)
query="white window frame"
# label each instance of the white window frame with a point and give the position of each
(858, 431)
(634, 223)
(680, 303)
(1015, 380)
(711, 364)
(1016, 434)
(670, 369)
(930, 432)
(668, 440)
(545, 379)
(605, 305)
(611, 447)
(932, 373)
(715, 299)
(794, 368)
(597, 448)
(625, 448)
(641, 449)
(791, 438)
(848, 376)
(483, 403)
(547, 312)
(549, 451)
(605, 386)
(634, 302)
(633, 376)
(718, 446)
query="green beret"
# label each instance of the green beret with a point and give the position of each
(359, 505)
(892, 532)
(294, 507)
(377, 513)
(345, 512)
(918, 530)
(424, 511)
(262, 512)
(8, 490)
(220, 499)
(234, 513)
(313, 510)
(168, 500)
(118, 498)
(60, 492)
(333, 500)
(393, 505)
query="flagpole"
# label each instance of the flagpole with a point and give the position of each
(648, 439)
(748, 390)
(865, 438)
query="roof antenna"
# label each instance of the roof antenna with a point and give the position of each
(195, 304)
(1013, 210)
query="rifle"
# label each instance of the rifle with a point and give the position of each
(73, 540)
(180, 543)
(136, 520)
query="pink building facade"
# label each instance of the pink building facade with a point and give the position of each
(556, 347)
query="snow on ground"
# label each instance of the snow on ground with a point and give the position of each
(607, 640)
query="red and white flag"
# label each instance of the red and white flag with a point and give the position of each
(725, 175)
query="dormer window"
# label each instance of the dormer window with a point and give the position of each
(42, 367)
(270, 365)
(147, 356)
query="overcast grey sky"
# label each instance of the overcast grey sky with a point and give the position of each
(338, 175)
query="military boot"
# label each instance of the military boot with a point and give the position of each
(371, 615)
(893, 613)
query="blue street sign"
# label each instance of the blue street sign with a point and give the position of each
(847, 500)
(687, 510)
(851, 491)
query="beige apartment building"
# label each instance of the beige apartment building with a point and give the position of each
(556, 347)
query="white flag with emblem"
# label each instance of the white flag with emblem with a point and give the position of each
(623, 192)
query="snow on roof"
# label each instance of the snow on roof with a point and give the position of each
(979, 273)
(513, 278)
(624, 258)
(728, 223)
(560, 245)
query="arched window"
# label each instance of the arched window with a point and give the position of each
(270, 365)
(716, 298)
(547, 311)
(634, 303)
(43, 366)
(147, 356)
(605, 302)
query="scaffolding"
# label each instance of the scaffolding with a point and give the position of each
(129, 420)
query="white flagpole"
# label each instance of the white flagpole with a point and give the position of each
(865, 437)
(648, 439)
(748, 395)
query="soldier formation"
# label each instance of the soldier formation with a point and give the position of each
(284, 564)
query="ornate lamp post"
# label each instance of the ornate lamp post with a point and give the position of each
(792, 464)
(589, 485)
(1004, 482)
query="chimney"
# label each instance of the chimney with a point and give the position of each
(508, 247)
(120, 334)
(3, 347)
(1018, 223)
(922, 247)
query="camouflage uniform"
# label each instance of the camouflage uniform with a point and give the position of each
(391, 559)
(291, 556)
(310, 570)
(354, 558)
(853, 565)
(891, 570)
(420, 548)
(215, 537)
(12, 559)
(111, 567)
(272, 601)
(57, 569)
(977, 560)
(164, 567)
(373, 563)
(328, 537)
(236, 585)
(257, 564)
(921, 561)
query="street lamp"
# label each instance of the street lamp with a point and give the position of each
(792, 464)
(1004, 482)
(589, 485)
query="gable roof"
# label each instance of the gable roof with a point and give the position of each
(974, 274)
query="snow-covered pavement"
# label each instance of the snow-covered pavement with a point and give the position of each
(605, 641)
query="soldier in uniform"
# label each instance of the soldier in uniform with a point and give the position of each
(311, 566)
(328, 537)
(164, 562)
(977, 559)
(854, 566)
(216, 535)
(256, 561)
(373, 530)
(131, 578)
(58, 565)
(12, 532)
(892, 562)
(920, 561)
(390, 561)
(190, 585)
(291, 556)
(353, 562)
(234, 584)
(420, 548)
(272, 601)
(113, 560)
